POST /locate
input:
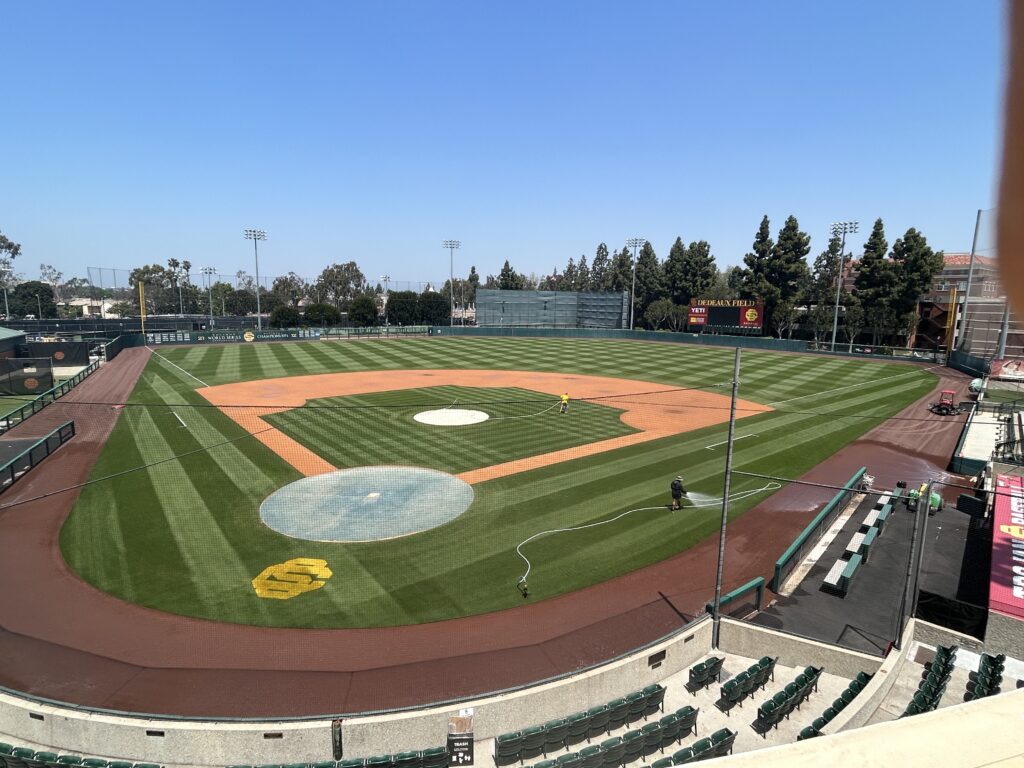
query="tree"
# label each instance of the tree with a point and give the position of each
(723, 288)
(675, 273)
(853, 319)
(362, 312)
(219, 292)
(285, 316)
(785, 317)
(472, 283)
(599, 270)
(157, 289)
(32, 298)
(509, 279)
(432, 309)
(697, 272)
(679, 317)
(620, 272)
(875, 282)
(658, 312)
(289, 289)
(401, 309)
(582, 275)
(753, 280)
(567, 281)
(787, 267)
(322, 315)
(121, 309)
(53, 276)
(915, 266)
(650, 281)
(340, 283)
(240, 302)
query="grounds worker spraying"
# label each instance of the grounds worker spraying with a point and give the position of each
(678, 491)
(565, 403)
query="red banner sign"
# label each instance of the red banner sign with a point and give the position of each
(1006, 585)
(752, 317)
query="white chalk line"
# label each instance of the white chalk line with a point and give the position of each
(179, 419)
(772, 486)
(178, 367)
(709, 447)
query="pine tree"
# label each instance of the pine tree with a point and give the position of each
(599, 270)
(620, 272)
(699, 273)
(650, 281)
(582, 275)
(753, 280)
(675, 273)
(509, 279)
(567, 280)
(915, 265)
(875, 282)
(787, 267)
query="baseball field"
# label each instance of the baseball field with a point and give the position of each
(175, 516)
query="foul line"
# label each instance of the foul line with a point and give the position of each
(178, 367)
(709, 447)
(179, 419)
(771, 486)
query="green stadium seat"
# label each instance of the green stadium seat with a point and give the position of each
(699, 677)
(533, 743)
(819, 723)
(436, 757)
(41, 759)
(613, 749)
(591, 757)
(684, 755)
(94, 762)
(652, 738)
(703, 749)
(687, 720)
(598, 719)
(77, 760)
(146, 765)
(128, 764)
(412, 759)
(19, 756)
(572, 760)
(637, 705)
(546, 764)
(632, 745)
(722, 741)
(671, 729)
(618, 713)
(555, 732)
(809, 732)
(352, 762)
(326, 764)
(506, 749)
(377, 761)
(578, 725)
(654, 698)
(665, 762)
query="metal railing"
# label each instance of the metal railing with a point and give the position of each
(16, 468)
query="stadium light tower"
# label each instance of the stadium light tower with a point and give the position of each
(451, 245)
(209, 272)
(636, 243)
(840, 228)
(256, 235)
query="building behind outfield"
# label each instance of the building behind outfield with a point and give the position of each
(551, 309)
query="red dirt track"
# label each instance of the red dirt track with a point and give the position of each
(62, 639)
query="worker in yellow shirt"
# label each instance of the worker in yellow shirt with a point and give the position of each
(565, 403)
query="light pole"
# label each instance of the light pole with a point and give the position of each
(39, 304)
(255, 235)
(7, 310)
(840, 228)
(636, 243)
(209, 272)
(387, 281)
(451, 245)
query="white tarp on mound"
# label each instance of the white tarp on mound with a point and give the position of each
(451, 417)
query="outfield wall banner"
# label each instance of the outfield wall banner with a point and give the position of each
(1006, 585)
(223, 337)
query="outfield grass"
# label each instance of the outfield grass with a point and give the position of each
(184, 536)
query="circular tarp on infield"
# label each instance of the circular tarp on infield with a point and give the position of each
(366, 504)
(451, 417)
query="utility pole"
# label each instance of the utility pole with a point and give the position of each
(256, 235)
(716, 612)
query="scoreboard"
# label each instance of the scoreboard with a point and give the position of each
(741, 316)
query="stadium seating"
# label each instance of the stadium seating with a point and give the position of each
(24, 757)
(561, 733)
(933, 684)
(854, 687)
(785, 701)
(704, 673)
(734, 691)
(988, 677)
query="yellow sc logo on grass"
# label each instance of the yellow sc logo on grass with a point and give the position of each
(291, 578)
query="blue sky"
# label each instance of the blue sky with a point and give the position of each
(138, 132)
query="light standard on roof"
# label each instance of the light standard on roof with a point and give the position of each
(636, 243)
(451, 245)
(209, 272)
(255, 235)
(840, 228)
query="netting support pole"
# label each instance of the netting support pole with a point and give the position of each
(716, 607)
(970, 278)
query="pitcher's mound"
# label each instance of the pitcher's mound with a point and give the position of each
(366, 504)
(451, 417)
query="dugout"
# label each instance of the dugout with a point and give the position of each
(9, 341)
(551, 309)
(25, 375)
